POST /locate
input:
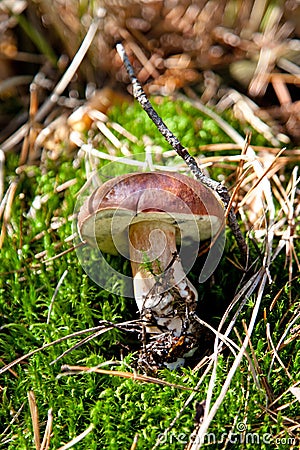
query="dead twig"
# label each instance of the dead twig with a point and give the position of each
(78, 438)
(73, 370)
(217, 187)
(35, 419)
(92, 330)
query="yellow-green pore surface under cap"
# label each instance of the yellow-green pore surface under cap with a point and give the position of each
(106, 215)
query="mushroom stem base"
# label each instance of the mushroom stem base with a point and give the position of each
(164, 296)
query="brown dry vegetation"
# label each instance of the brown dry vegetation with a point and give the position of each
(240, 58)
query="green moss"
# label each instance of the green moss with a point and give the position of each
(117, 407)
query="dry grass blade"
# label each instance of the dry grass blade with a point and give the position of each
(263, 188)
(259, 371)
(281, 340)
(135, 442)
(99, 330)
(240, 298)
(261, 278)
(35, 419)
(78, 438)
(264, 174)
(74, 370)
(55, 294)
(48, 260)
(252, 367)
(14, 81)
(267, 57)
(258, 149)
(295, 391)
(185, 405)
(91, 151)
(4, 433)
(224, 339)
(6, 207)
(244, 110)
(48, 431)
(50, 344)
(275, 352)
(58, 90)
(295, 335)
(236, 190)
(209, 415)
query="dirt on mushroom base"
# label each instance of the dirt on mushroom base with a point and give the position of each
(166, 349)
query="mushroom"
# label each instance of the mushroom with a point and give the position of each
(145, 216)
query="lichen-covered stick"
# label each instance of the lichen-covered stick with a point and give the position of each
(220, 189)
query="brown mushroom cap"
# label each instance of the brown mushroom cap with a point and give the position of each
(161, 196)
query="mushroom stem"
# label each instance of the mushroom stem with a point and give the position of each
(155, 243)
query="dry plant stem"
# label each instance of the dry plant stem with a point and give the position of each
(236, 137)
(16, 415)
(58, 90)
(55, 294)
(75, 370)
(48, 431)
(132, 325)
(209, 414)
(35, 419)
(94, 330)
(262, 277)
(186, 403)
(135, 441)
(221, 190)
(78, 438)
